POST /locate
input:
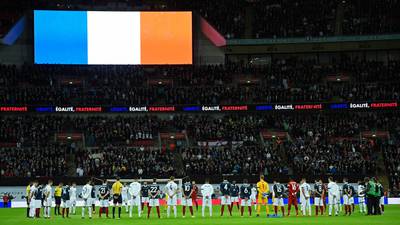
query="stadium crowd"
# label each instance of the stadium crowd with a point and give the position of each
(371, 17)
(307, 18)
(391, 153)
(284, 80)
(315, 144)
(280, 18)
(46, 161)
(122, 161)
(243, 159)
(217, 13)
(343, 158)
(268, 19)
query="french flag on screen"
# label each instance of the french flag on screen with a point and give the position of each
(104, 37)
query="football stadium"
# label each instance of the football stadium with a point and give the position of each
(199, 111)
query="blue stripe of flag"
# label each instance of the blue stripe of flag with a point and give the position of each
(60, 37)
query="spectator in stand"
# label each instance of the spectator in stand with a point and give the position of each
(317, 143)
(117, 161)
(32, 161)
(371, 17)
(285, 80)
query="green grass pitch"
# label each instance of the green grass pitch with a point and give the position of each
(17, 217)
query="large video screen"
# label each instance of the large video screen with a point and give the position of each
(111, 37)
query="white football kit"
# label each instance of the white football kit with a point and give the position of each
(47, 201)
(86, 195)
(207, 190)
(253, 196)
(305, 190)
(361, 198)
(125, 199)
(72, 192)
(134, 192)
(333, 197)
(171, 188)
(32, 203)
(47, 192)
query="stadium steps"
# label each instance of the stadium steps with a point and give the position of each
(179, 167)
(71, 166)
(382, 172)
(384, 179)
(282, 153)
(249, 17)
(261, 139)
(380, 162)
(339, 19)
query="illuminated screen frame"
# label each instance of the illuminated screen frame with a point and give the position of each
(91, 37)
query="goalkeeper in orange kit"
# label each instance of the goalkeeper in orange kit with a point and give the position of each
(262, 196)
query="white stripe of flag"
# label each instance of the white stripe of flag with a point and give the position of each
(113, 37)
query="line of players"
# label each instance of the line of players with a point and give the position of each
(141, 195)
(261, 192)
(149, 195)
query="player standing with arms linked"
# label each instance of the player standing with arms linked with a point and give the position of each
(38, 199)
(381, 197)
(65, 201)
(253, 196)
(194, 194)
(325, 186)
(234, 195)
(72, 191)
(93, 196)
(293, 188)
(171, 190)
(117, 198)
(207, 191)
(47, 199)
(32, 199)
(125, 198)
(361, 197)
(339, 194)
(86, 195)
(278, 190)
(262, 198)
(347, 193)
(245, 192)
(154, 192)
(305, 191)
(225, 189)
(333, 190)
(145, 195)
(104, 195)
(319, 192)
(134, 191)
(354, 193)
(187, 200)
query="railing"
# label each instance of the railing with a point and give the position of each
(215, 178)
(309, 40)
